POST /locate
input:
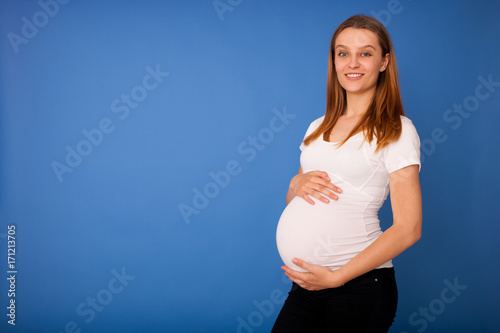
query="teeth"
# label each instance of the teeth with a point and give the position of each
(353, 75)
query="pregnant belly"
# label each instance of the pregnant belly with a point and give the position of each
(322, 234)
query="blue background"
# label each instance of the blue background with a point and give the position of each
(217, 269)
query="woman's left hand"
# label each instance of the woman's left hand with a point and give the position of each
(316, 278)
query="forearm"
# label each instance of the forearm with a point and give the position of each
(406, 203)
(289, 195)
(389, 245)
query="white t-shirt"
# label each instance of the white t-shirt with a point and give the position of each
(332, 234)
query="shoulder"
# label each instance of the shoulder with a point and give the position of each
(407, 141)
(315, 124)
(406, 122)
(318, 121)
(407, 128)
(405, 150)
(312, 127)
(405, 119)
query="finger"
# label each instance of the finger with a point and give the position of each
(326, 189)
(322, 174)
(296, 280)
(334, 187)
(291, 272)
(318, 188)
(307, 194)
(295, 275)
(328, 193)
(302, 264)
(307, 198)
(318, 196)
(318, 175)
(328, 184)
(320, 192)
(325, 180)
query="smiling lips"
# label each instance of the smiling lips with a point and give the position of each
(354, 76)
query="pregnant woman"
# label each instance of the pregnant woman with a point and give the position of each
(329, 235)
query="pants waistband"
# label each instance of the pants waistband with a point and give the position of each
(373, 274)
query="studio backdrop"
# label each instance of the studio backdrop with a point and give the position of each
(146, 148)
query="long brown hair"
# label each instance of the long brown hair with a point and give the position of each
(382, 118)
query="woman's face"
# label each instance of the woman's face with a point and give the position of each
(358, 60)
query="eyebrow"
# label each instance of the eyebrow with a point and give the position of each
(362, 47)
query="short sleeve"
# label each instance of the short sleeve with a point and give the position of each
(406, 150)
(312, 127)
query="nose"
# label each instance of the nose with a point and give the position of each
(353, 61)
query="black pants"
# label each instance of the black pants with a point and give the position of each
(365, 304)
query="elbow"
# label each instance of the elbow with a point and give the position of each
(414, 234)
(409, 233)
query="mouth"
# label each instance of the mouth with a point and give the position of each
(353, 75)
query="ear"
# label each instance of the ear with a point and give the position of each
(385, 62)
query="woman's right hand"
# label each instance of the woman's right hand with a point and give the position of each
(315, 184)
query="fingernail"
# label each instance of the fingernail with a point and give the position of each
(294, 261)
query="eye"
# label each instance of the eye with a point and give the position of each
(365, 54)
(342, 54)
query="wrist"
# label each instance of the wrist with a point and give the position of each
(290, 186)
(338, 278)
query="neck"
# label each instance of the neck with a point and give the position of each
(357, 104)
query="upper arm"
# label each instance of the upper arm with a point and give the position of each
(406, 198)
